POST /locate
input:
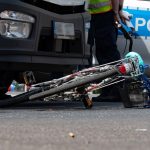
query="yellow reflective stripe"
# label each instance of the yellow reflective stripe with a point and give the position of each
(98, 5)
(98, 1)
(100, 10)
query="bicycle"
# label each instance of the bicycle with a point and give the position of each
(81, 83)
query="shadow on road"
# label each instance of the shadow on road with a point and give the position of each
(63, 105)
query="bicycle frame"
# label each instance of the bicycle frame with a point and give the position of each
(122, 69)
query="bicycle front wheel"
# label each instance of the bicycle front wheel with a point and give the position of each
(18, 99)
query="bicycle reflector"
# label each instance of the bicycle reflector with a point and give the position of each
(125, 68)
(122, 69)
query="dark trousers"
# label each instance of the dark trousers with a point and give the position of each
(105, 35)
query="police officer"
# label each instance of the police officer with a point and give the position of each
(103, 31)
(103, 13)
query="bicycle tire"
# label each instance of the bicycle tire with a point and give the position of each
(71, 85)
(18, 99)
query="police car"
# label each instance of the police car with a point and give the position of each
(41, 36)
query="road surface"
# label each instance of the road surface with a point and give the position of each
(69, 126)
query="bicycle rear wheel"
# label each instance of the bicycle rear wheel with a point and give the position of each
(73, 84)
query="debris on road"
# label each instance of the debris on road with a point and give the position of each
(71, 134)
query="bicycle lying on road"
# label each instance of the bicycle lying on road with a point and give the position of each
(127, 71)
(80, 83)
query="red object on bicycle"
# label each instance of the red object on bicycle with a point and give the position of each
(122, 69)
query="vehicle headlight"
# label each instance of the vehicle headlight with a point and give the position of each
(15, 24)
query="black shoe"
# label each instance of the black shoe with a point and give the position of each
(108, 94)
(108, 98)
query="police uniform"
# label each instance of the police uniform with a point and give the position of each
(104, 33)
(103, 30)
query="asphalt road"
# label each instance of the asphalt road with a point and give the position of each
(69, 126)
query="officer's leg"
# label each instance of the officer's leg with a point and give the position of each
(106, 51)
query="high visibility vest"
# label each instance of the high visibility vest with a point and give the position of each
(99, 6)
